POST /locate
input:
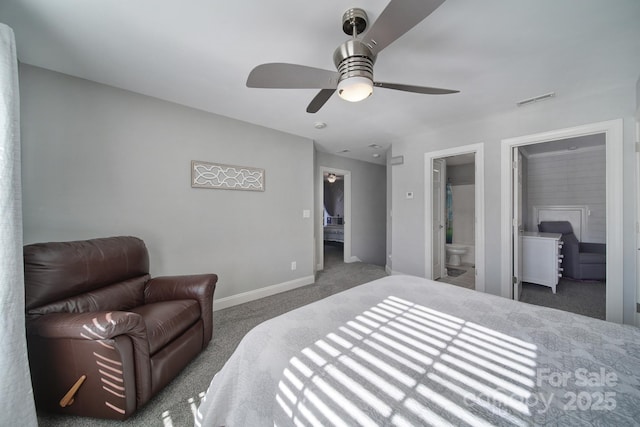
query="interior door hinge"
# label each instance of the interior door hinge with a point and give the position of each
(514, 279)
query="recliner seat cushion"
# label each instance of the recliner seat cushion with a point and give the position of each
(166, 320)
(592, 258)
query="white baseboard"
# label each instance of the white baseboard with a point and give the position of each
(354, 259)
(392, 272)
(232, 300)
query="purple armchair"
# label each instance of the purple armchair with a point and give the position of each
(586, 261)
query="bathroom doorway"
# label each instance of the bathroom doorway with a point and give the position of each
(454, 216)
(454, 220)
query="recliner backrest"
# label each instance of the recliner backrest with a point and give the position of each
(121, 296)
(563, 227)
(57, 271)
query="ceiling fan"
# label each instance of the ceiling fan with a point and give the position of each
(354, 58)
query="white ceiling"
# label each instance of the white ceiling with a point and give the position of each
(199, 53)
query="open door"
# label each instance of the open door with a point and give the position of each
(517, 223)
(438, 195)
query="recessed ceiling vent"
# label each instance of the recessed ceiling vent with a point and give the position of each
(535, 99)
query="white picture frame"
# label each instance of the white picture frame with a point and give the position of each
(226, 177)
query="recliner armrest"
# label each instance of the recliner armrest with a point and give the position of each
(199, 287)
(55, 335)
(598, 248)
(91, 325)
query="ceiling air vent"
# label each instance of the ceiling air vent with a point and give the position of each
(535, 99)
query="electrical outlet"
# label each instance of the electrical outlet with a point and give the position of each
(293, 265)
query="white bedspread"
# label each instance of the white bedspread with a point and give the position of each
(408, 351)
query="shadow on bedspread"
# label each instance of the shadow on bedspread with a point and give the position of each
(430, 355)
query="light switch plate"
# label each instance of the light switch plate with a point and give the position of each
(306, 213)
(409, 194)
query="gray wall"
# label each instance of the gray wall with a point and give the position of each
(570, 178)
(461, 174)
(408, 245)
(99, 161)
(638, 98)
(368, 205)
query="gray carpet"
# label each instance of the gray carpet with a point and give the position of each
(174, 406)
(582, 297)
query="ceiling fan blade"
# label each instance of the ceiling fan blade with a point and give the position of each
(321, 98)
(396, 19)
(291, 76)
(415, 89)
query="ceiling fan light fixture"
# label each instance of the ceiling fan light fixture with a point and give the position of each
(355, 89)
(354, 59)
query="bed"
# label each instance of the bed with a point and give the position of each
(334, 233)
(404, 351)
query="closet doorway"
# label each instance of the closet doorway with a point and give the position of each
(512, 213)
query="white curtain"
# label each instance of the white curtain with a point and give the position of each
(16, 404)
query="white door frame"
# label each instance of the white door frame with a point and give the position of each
(478, 149)
(440, 253)
(637, 317)
(614, 180)
(347, 215)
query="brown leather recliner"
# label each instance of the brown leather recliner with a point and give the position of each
(93, 312)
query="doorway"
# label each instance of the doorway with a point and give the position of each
(512, 212)
(453, 221)
(334, 224)
(436, 257)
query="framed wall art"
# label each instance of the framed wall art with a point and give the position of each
(226, 177)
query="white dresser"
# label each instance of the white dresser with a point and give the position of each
(541, 258)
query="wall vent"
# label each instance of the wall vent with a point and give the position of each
(397, 160)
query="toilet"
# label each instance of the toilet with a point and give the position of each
(454, 252)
